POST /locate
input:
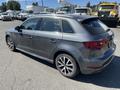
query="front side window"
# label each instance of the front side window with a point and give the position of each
(67, 27)
(30, 24)
(49, 24)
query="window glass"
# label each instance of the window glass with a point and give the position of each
(107, 6)
(94, 26)
(67, 27)
(49, 24)
(30, 24)
(81, 10)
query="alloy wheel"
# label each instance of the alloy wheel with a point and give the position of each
(10, 43)
(65, 65)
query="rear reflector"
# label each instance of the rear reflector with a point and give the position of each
(96, 44)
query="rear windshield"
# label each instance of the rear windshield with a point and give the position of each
(94, 26)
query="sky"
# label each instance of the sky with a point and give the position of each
(54, 3)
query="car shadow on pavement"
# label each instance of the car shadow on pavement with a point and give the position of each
(110, 77)
(39, 60)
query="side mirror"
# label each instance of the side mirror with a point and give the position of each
(18, 28)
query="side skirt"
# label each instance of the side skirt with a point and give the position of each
(32, 54)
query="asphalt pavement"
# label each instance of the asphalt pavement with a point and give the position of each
(19, 71)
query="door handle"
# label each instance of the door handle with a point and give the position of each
(53, 40)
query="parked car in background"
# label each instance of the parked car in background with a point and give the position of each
(23, 15)
(65, 9)
(109, 13)
(0, 16)
(83, 11)
(73, 43)
(5, 16)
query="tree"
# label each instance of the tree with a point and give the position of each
(13, 5)
(35, 4)
(88, 4)
(3, 7)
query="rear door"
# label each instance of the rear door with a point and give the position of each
(47, 36)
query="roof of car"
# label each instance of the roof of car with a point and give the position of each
(72, 16)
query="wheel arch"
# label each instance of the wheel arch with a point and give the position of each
(7, 35)
(63, 51)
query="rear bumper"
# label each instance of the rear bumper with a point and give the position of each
(97, 64)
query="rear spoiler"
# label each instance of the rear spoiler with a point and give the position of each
(88, 18)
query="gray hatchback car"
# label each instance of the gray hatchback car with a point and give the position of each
(73, 43)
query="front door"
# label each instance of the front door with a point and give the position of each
(26, 34)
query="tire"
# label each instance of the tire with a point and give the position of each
(10, 43)
(66, 65)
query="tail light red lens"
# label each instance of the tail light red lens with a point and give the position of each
(96, 44)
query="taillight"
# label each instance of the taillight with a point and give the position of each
(96, 44)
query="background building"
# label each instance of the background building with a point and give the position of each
(34, 9)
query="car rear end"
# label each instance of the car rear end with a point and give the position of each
(6, 18)
(98, 46)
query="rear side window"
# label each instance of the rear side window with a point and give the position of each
(94, 26)
(49, 24)
(67, 27)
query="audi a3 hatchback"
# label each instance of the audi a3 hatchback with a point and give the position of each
(71, 42)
